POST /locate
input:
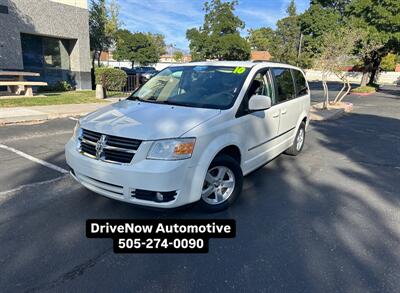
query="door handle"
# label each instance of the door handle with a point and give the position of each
(275, 115)
(284, 111)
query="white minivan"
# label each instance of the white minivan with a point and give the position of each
(191, 133)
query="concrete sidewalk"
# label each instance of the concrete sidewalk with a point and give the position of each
(38, 113)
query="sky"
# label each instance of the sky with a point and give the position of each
(173, 17)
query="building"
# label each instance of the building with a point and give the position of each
(50, 37)
(170, 58)
(260, 55)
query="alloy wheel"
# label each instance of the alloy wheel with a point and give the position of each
(218, 185)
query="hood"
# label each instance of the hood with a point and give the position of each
(146, 121)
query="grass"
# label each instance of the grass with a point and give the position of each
(57, 98)
(364, 89)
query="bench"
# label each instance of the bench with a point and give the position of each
(14, 86)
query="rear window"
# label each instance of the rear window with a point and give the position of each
(300, 81)
(284, 84)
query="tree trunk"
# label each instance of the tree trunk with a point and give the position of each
(347, 92)
(93, 58)
(337, 98)
(326, 91)
(98, 60)
(364, 78)
(375, 68)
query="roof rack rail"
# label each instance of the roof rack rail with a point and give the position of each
(279, 62)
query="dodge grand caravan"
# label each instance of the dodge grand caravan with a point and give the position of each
(191, 133)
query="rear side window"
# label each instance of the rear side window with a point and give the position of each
(300, 81)
(284, 84)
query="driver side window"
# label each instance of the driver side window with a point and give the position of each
(260, 85)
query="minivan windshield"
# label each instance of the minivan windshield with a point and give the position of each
(194, 86)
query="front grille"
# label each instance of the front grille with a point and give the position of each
(108, 148)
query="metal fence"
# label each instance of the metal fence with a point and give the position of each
(132, 83)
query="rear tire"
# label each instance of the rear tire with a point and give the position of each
(298, 142)
(222, 185)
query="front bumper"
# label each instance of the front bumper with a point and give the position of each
(121, 181)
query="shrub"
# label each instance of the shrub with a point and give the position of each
(388, 62)
(364, 89)
(59, 86)
(110, 78)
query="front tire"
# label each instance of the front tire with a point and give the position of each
(298, 143)
(222, 185)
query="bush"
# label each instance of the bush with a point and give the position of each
(110, 78)
(59, 86)
(364, 89)
(388, 62)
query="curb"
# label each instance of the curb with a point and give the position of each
(323, 115)
(362, 94)
(21, 115)
(43, 113)
(18, 119)
(37, 118)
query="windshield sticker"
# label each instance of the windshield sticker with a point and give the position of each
(239, 70)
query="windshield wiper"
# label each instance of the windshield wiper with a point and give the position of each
(154, 100)
(134, 98)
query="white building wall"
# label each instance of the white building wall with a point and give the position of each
(390, 77)
(76, 3)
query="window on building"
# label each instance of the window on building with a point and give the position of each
(3, 9)
(42, 53)
(50, 57)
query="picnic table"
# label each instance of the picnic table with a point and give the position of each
(16, 83)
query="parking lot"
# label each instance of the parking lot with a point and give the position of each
(327, 220)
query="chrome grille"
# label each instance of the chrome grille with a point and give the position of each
(108, 148)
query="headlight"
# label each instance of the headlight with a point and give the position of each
(77, 131)
(172, 149)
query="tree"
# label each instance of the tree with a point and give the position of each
(135, 47)
(381, 23)
(103, 24)
(286, 40)
(337, 5)
(178, 56)
(219, 37)
(159, 42)
(336, 49)
(261, 39)
(315, 22)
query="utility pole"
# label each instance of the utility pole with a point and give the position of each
(299, 49)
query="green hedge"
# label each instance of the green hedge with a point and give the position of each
(364, 89)
(110, 78)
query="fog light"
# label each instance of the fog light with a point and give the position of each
(159, 196)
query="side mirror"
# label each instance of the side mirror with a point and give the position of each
(259, 102)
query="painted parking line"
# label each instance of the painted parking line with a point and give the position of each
(73, 118)
(35, 136)
(33, 159)
(21, 187)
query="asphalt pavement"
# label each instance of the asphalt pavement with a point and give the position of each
(324, 221)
